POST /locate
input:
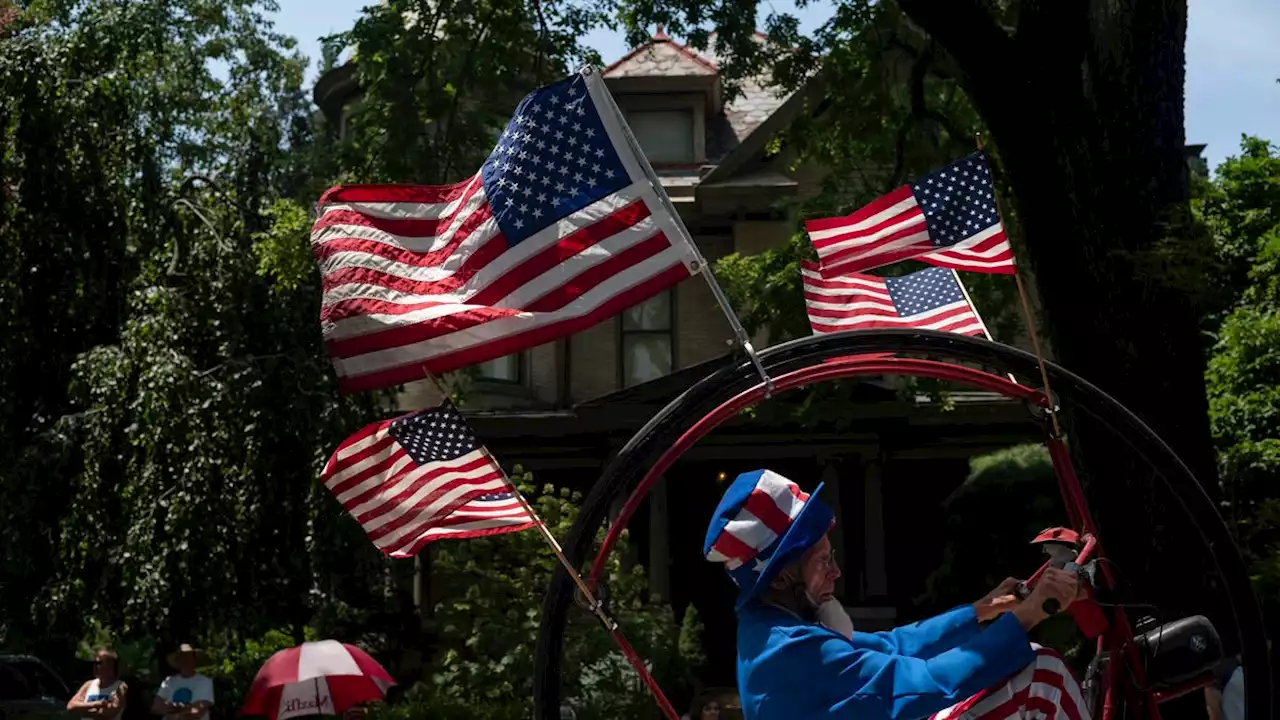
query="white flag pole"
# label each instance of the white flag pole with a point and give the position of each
(974, 308)
(599, 90)
(965, 291)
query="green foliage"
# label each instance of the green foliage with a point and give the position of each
(439, 80)
(284, 249)
(487, 622)
(1241, 207)
(234, 666)
(1008, 498)
(137, 657)
(692, 649)
(168, 403)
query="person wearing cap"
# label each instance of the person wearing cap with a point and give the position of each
(185, 695)
(799, 656)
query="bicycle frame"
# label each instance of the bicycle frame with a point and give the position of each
(1125, 672)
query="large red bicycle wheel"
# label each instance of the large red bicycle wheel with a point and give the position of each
(655, 441)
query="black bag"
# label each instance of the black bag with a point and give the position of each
(1179, 651)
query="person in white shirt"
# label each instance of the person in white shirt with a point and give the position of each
(103, 697)
(186, 695)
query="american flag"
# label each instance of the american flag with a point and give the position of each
(421, 477)
(930, 299)
(948, 218)
(559, 229)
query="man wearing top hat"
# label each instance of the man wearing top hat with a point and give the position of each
(186, 695)
(799, 656)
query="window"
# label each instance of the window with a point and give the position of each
(666, 136)
(505, 369)
(647, 341)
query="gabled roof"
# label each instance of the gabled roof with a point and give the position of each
(661, 57)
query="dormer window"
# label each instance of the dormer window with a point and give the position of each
(666, 136)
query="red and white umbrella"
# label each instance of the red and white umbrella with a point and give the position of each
(316, 678)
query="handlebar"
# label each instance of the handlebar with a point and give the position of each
(1077, 567)
(1050, 606)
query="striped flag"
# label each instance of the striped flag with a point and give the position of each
(421, 477)
(486, 515)
(948, 218)
(1045, 688)
(931, 299)
(560, 229)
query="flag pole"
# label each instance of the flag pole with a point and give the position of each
(965, 291)
(594, 605)
(1026, 313)
(702, 268)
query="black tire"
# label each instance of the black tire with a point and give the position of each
(667, 426)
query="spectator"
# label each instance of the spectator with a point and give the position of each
(103, 696)
(1225, 697)
(187, 695)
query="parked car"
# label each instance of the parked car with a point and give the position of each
(31, 690)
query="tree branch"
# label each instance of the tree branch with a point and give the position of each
(919, 107)
(965, 29)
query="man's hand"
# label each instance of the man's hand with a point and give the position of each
(1000, 600)
(1054, 584)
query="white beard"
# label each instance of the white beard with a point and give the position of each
(832, 615)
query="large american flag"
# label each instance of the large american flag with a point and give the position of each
(947, 218)
(931, 299)
(419, 478)
(559, 229)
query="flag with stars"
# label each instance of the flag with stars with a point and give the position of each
(930, 299)
(421, 477)
(947, 218)
(559, 229)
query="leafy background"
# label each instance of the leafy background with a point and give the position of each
(167, 405)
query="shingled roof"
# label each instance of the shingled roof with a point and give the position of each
(661, 57)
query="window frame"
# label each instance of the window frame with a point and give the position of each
(694, 102)
(522, 371)
(670, 332)
(684, 113)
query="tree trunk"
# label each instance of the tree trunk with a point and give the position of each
(1085, 106)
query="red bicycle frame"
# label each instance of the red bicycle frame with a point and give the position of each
(1125, 671)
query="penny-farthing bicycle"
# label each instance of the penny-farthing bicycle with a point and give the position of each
(1135, 669)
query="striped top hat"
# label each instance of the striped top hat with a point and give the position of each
(763, 523)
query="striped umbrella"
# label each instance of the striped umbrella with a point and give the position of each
(316, 678)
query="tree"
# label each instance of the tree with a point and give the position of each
(1242, 210)
(439, 79)
(170, 404)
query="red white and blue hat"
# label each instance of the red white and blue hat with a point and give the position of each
(763, 523)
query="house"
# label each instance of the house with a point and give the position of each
(563, 409)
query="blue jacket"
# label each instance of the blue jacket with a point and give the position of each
(793, 670)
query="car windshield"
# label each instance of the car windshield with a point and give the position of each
(26, 679)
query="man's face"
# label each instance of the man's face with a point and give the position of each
(186, 663)
(819, 571)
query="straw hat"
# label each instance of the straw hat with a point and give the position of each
(183, 649)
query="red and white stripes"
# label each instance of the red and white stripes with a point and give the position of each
(768, 512)
(1044, 689)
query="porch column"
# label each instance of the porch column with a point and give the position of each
(877, 578)
(659, 542)
(831, 496)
